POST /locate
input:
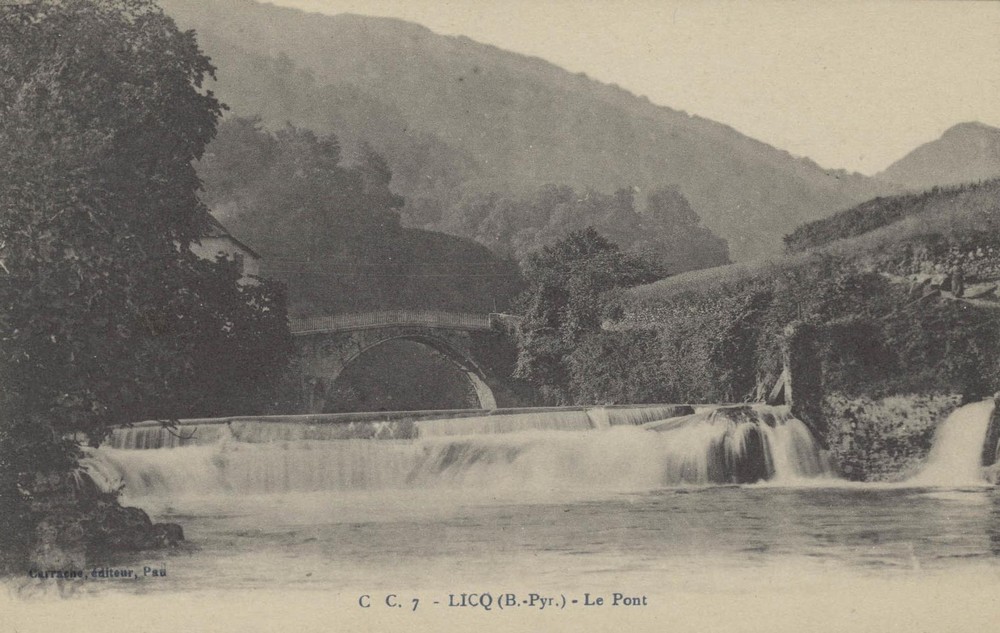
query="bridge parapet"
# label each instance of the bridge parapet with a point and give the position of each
(391, 318)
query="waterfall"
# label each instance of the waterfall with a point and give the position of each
(611, 449)
(956, 456)
(741, 444)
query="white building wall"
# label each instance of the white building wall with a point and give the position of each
(211, 247)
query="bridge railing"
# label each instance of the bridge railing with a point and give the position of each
(383, 318)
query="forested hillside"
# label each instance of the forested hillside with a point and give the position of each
(330, 228)
(454, 117)
(664, 228)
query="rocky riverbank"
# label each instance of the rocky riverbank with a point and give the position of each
(883, 439)
(76, 524)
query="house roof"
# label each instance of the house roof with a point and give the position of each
(215, 229)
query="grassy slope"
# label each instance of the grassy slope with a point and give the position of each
(891, 223)
(944, 211)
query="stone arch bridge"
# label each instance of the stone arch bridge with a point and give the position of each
(327, 345)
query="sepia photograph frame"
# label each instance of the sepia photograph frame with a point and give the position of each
(328, 315)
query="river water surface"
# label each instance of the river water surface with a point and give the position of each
(621, 509)
(646, 540)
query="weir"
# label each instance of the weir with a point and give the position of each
(391, 425)
(620, 448)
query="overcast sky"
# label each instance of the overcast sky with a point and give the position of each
(850, 84)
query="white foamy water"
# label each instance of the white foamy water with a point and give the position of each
(956, 455)
(725, 446)
(741, 444)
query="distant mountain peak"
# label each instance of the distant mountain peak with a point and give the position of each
(965, 152)
(973, 127)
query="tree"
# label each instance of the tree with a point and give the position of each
(668, 206)
(239, 340)
(672, 234)
(618, 367)
(667, 230)
(324, 227)
(567, 300)
(102, 305)
(376, 176)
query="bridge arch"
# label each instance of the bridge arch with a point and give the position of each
(468, 367)
(329, 345)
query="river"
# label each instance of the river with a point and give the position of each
(618, 509)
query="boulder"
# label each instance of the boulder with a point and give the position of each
(114, 527)
(127, 529)
(76, 523)
(167, 534)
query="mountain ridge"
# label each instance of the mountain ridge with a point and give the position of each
(965, 152)
(515, 121)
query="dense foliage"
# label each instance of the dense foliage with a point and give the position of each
(566, 302)
(722, 344)
(447, 190)
(106, 317)
(667, 230)
(881, 329)
(328, 209)
(330, 227)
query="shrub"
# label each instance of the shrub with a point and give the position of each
(885, 439)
